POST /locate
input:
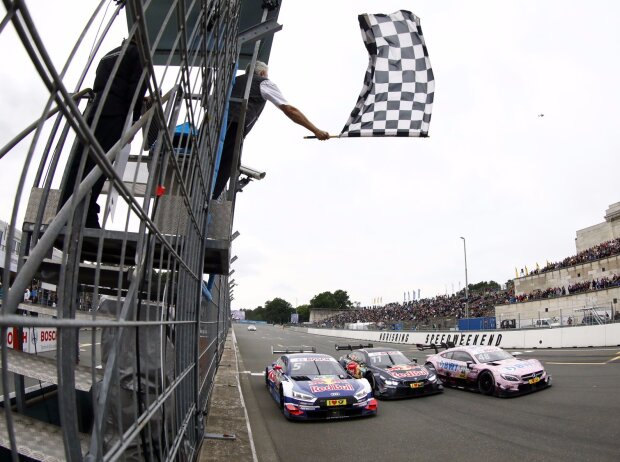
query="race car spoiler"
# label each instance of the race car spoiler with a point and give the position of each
(353, 347)
(434, 346)
(294, 349)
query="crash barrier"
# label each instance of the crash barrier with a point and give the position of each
(562, 337)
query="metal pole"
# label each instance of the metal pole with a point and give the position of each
(466, 283)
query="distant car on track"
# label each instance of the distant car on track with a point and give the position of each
(310, 386)
(252, 328)
(488, 369)
(390, 373)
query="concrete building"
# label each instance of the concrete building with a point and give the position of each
(606, 231)
(573, 306)
(10, 247)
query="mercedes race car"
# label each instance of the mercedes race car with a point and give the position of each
(390, 373)
(309, 386)
(488, 369)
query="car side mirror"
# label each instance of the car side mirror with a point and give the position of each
(470, 365)
(414, 360)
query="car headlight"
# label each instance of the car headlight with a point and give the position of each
(510, 378)
(392, 383)
(361, 394)
(431, 377)
(303, 396)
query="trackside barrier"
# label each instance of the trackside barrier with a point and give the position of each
(563, 337)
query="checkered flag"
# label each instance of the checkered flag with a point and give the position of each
(397, 97)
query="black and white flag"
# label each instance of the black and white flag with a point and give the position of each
(397, 97)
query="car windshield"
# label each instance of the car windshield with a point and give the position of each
(309, 368)
(491, 356)
(387, 358)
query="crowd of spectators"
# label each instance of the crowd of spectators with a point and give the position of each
(604, 250)
(424, 311)
(576, 288)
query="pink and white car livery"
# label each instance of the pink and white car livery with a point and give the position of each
(488, 369)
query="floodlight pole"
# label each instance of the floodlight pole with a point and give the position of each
(466, 284)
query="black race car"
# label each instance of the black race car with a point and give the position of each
(390, 373)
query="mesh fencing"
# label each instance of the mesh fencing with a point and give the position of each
(116, 356)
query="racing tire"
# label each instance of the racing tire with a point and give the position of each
(486, 383)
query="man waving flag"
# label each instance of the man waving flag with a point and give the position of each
(397, 96)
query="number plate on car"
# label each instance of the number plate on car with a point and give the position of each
(416, 385)
(336, 402)
(534, 380)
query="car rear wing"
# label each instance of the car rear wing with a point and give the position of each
(294, 349)
(434, 346)
(353, 347)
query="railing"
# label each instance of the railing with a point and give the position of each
(133, 343)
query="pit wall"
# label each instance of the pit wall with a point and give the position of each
(563, 337)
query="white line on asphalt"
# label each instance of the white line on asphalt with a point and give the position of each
(245, 410)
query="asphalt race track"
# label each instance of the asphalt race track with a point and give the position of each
(577, 419)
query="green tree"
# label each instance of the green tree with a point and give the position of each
(304, 313)
(257, 314)
(483, 286)
(278, 311)
(324, 300)
(342, 299)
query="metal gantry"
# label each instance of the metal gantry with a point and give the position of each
(120, 362)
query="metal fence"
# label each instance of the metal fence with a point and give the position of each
(584, 316)
(119, 363)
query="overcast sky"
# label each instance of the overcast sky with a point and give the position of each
(382, 216)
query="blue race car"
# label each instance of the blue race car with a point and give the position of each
(309, 386)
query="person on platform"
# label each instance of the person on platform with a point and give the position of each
(116, 106)
(261, 90)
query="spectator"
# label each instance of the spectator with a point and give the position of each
(604, 250)
(116, 106)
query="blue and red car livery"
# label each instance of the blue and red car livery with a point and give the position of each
(309, 386)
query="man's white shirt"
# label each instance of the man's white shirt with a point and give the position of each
(271, 92)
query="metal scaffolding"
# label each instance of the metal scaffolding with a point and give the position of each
(141, 306)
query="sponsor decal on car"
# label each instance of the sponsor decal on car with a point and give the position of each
(328, 384)
(405, 370)
(520, 365)
(318, 358)
(449, 366)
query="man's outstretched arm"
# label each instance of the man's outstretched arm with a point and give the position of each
(299, 118)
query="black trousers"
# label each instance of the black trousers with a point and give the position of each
(226, 160)
(108, 131)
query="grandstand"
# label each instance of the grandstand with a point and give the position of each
(566, 292)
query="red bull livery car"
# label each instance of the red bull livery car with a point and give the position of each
(488, 369)
(390, 373)
(309, 386)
